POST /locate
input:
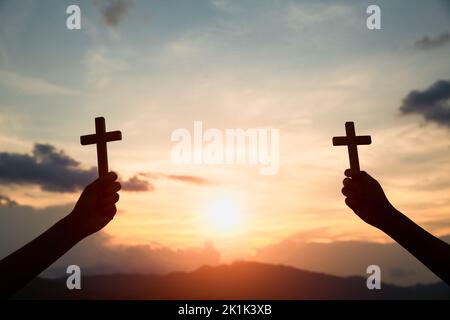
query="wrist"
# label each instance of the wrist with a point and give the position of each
(391, 221)
(71, 228)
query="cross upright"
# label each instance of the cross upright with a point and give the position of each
(351, 140)
(100, 138)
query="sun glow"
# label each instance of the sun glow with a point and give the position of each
(223, 215)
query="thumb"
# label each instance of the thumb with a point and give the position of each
(101, 182)
(367, 177)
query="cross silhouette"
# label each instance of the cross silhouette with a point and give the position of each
(100, 138)
(351, 140)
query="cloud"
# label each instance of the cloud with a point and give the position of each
(347, 258)
(136, 184)
(398, 272)
(184, 47)
(446, 4)
(6, 201)
(114, 11)
(182, 178)
(33, 86)
(189, 179)
(95, 255)
(54, 171)
(311, 14)
(144, 259)
(428, 43)
(226, 6)
(46, 167)
(432, 103)
(102, 68)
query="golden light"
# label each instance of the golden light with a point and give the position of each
(223, 215)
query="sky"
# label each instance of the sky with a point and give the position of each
(152, 67)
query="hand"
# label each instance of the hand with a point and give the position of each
(96, 206)
(365, 196)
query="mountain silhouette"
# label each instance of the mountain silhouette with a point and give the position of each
(240, 280)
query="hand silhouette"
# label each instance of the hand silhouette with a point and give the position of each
(365, 196)
(96, 206)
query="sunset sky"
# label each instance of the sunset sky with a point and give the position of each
(151, 67)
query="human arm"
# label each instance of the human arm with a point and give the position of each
(93, 211)
(365, 196)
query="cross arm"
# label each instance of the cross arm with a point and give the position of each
(95, 138)
(88, 139)
(345, 141)
(340, 141)
(115, 136)
(363, 140)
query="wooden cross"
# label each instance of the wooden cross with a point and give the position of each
(100, 138)
(351, 140)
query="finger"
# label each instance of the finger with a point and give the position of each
(348, 173)
(352, 173)
(109, 200)
(367, 177)
(93, 186)
(349, 193)
(105, 182)
(350, 184)
(109, 178)
(115, 187)
(355, 175)
(352, 203)
(102, 181)
(109, 211)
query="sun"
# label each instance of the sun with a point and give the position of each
(223, 215)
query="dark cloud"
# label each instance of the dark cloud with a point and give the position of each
(114, 11)
(136, 184)
(46, 167)
(6, 201)
(188, 179)
(182, 178)
(96, 255)
(53, 170)
(140, 182)
(428, 43)
(432, 103)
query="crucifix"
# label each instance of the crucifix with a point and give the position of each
(100, 138)
(351, 140)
